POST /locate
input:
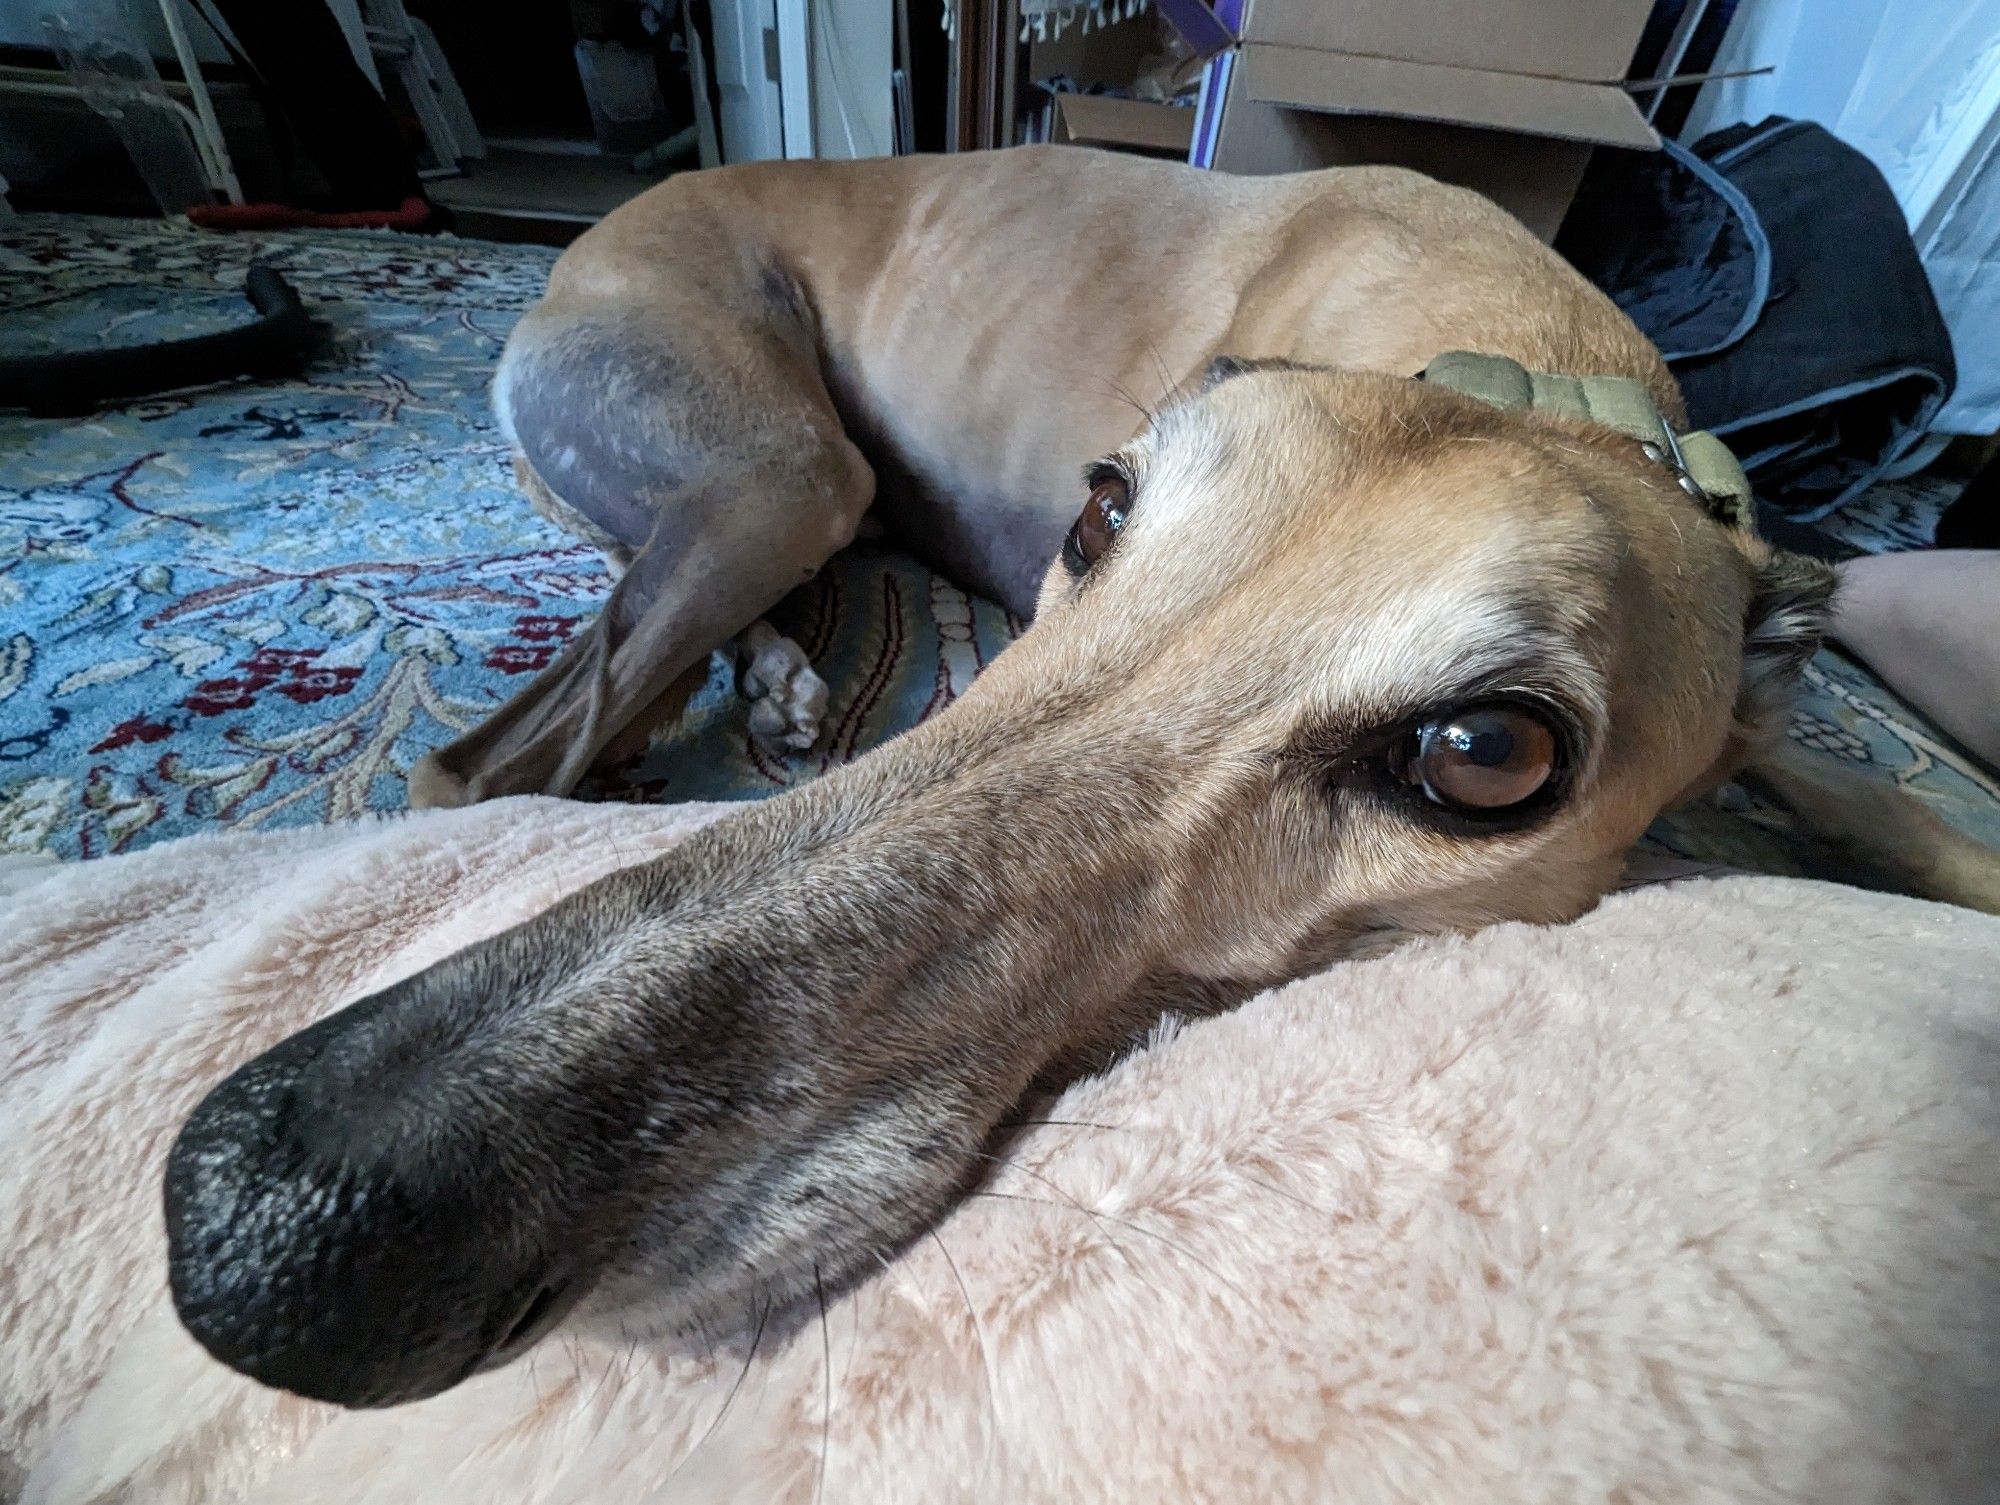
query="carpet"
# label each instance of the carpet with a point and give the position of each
(259, 604)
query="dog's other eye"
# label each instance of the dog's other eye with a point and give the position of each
(1480, 760)
(1100, 522)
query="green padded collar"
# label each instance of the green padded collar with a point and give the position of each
(1701, 464)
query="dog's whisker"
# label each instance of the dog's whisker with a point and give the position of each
(1027, 1170)
(856, 1310)
(986, 1364)
(1130, 401)
(1139, 1228)
(826, 1415)
(1117, 1246)
(629, 1359)
(1059, 1190)
(1068, 1123)
(624, 1380)
(1076, 1123)
(1167, 382)
(701, 1331)
(1073, 1123)
(574, 1353)
(603, 1374)
(715, 1422)
(1279, 1191)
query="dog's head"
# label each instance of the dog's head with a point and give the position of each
(1474, 652)
(1329, 659)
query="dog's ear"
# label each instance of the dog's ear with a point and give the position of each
(1791, 603)
(1223, 367)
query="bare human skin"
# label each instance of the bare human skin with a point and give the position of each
(1929, 624)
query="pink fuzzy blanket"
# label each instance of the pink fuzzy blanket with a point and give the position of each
(1698, 1198)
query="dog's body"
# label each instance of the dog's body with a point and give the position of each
(723, 371)
(1332, 657)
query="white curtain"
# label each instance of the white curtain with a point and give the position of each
(1915, 84)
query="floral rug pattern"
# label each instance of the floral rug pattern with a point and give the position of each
(259, 604)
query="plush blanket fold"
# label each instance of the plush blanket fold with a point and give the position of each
(1694, 1199)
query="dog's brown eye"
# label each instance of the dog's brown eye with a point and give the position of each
(1100, 522)
(1482, 759)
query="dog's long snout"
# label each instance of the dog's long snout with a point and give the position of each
(705, 1083)
(353, 1216)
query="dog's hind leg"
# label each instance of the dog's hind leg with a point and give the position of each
(1895, 840)
(702, 446)
(617, 557)
(787, 699)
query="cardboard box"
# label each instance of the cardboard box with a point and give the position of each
(1113, 56)
(1504, 96)
(1585, 41)
(1125, 124)
(1533, 178)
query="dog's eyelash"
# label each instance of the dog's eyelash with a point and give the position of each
(1097, 472)
(1328, 741)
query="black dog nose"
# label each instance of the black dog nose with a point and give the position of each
(349, 1219)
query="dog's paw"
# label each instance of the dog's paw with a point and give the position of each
(786, 698)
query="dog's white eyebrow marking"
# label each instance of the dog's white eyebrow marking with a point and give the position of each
(1522, 659)
(1435, 642)
(1174, 464)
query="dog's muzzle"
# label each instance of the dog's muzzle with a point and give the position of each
(345, 1223)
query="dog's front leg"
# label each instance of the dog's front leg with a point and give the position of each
(724, 478)
(694, 586)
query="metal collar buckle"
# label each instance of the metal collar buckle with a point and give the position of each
(1669, 455)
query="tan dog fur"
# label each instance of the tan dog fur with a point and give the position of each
(980, 327)
(731, 1075)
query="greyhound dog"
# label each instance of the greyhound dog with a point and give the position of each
(1327, 657)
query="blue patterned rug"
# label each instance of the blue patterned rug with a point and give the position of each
(258, 605)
